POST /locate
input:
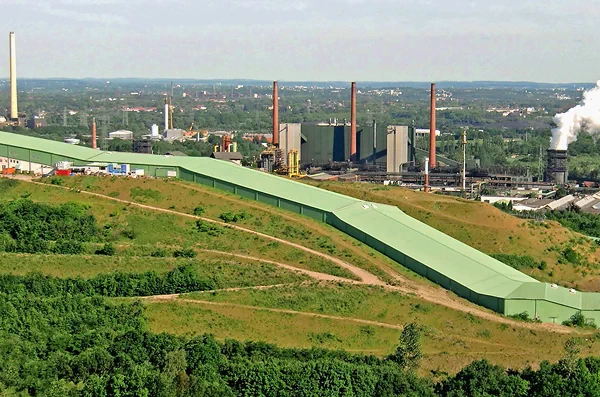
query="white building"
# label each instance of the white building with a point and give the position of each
(121, 134)
(421, 132)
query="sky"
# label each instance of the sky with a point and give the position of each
(306, 40)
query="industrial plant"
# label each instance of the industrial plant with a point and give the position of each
(374, 153)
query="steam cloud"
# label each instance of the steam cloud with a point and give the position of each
(583, 117)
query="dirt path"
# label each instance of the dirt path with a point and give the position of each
(178, 298)
(431, 294)
(310, 273)
(362, 274)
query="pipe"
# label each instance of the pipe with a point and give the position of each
(14, 111)
(426, 174)
(94, 133)
(432, 161)
(275, 114)
(353, 123)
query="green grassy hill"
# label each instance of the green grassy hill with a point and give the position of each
(297, 283)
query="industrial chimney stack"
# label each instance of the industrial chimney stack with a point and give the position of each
(14, 111)
(432, 160)
(275, 114)
(94, 133)
(353, 123)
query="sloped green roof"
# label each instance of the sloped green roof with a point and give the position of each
(440, 252)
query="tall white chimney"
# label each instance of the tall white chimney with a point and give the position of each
(166, 115)
(14, 111)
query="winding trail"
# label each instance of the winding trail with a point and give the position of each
(432, 294)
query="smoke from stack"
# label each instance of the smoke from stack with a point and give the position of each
(14, 112)
(583, 117)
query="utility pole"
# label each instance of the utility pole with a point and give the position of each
(83, 119)
(65, 117)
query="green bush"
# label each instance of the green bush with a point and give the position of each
(185, 253)
(578, 320)
(517, 261)
(199, 210)
(107, 249)
(159, 253)
(231, 217)
(208, 228)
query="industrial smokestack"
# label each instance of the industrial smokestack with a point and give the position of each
(166, 114)
(353, 123)
(432, 161)
(94, 133)
(275, 114)
(14, 111)
(557, 170)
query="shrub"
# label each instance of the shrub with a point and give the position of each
(517, 261)
(68, 247)
(107, 249)
(159, 253)
(185, 253)
(199, 210)
(208, 228)
(229, 217)
(578, 320)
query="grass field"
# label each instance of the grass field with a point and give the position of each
(451, 339)
(490, 230)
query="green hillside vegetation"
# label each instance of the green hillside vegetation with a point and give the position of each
(217, 205)
(548, 245)
(63, 330)
(134, 232)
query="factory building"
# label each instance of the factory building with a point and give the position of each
(386, 147)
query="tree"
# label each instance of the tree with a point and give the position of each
(408, 353)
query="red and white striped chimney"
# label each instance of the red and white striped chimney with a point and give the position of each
(432, 160)
(94, 133)
(353, 123)
(275, 113)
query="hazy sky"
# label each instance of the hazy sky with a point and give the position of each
(375, 40)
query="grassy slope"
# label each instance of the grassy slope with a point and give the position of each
(152, 230)
(488, 229)
(185, 197)
(451, 340)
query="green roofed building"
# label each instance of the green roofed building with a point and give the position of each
(446, 261)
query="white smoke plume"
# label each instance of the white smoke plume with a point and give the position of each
(583, 117)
